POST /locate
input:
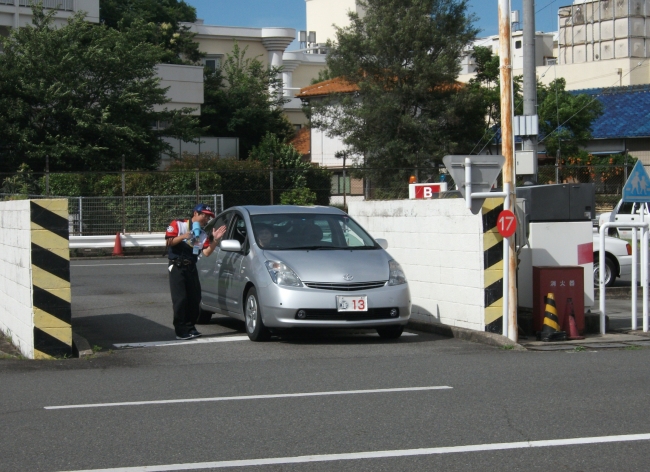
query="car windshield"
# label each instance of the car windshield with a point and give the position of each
(310, 231)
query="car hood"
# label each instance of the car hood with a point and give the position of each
(331, 265)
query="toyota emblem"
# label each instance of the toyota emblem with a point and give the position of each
(348, 277)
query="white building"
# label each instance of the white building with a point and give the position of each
(18, 13)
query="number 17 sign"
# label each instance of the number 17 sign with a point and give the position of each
(506, 223)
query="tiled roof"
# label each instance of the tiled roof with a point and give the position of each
(340, 85)
(626, 111)
(337, 85)
(302, 141)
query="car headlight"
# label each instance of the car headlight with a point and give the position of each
(281, 274)
(396, 274)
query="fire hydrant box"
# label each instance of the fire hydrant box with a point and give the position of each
(566, 283)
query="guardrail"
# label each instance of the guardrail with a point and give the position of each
(127, 240)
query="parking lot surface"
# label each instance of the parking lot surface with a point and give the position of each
(323, 401)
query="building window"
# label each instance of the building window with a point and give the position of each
(517, 44)
(338, 185)
(297, 128)
(212, 62)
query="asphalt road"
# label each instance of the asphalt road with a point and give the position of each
(212, 405)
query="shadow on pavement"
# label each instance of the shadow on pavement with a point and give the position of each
(110, 329)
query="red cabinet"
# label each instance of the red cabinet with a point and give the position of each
(566, 283)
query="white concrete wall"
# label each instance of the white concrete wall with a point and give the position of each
(322, 15)
(439, 244)
(185, 86)
(16, 312)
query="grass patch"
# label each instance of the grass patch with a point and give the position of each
(508, 347)
(633, 348)
(97, 348)
(579, 349)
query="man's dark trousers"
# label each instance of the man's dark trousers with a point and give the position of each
(185, 289)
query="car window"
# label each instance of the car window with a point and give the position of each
(626, 208)
(219, 221)
(238, 232)
(316, 231)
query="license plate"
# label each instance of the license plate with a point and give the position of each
(346, 303)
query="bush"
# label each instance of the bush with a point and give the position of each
(298, 196)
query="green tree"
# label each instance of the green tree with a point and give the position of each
(564, 118)
(409, 111)
(84, 95)
(244, 99)
(164, 28)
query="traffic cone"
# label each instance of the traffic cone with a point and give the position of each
(117, 248)
(551, 330)
(571, 320)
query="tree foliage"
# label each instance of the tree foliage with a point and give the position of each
(163, 20)
(409, 111)
(564, 118)
(83, 95)
(244, 99)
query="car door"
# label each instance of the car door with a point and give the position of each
(232, 265)
(210, 269)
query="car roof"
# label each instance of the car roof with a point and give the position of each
(288, 209)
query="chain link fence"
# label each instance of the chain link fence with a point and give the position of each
(99, 209)
(97, 216)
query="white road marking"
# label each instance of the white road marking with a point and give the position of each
(180, 342)
(204, 340)
(249, 397)
(379, 454)
(127, 264)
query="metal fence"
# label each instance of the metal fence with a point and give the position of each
(91, 216)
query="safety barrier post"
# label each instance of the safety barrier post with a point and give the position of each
(644, 271)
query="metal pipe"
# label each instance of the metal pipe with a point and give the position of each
(271, 176)
(644, 274)
(81, 216)
(601, 266)
(468, 182)
(123, 196)
(47, 175)
(149, 211)
(530, 77)
(634, 276)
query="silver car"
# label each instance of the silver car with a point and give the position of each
(290, 266)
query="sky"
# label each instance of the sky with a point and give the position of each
(291, 13)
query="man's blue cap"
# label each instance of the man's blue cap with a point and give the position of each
(203, 208)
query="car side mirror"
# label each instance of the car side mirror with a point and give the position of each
(382, 242)
(231, 245)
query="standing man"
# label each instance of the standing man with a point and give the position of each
(185, 241)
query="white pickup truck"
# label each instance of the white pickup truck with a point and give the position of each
(623, 213)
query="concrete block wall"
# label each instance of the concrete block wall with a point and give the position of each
(16, 313)
(439, 244)
(35, 277)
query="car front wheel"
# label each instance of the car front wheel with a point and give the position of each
(255, 328)
(610, 272)
(390, 332)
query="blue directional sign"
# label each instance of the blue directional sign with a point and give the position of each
(637, 187)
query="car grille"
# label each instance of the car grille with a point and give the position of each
(334, 315)
(346, 287)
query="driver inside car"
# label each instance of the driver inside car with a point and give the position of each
(264, 235)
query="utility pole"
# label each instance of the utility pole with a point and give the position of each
(530, 78)
(507, 146)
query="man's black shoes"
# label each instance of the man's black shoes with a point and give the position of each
(191, 334)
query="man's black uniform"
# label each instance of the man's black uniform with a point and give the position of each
(183, 277)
